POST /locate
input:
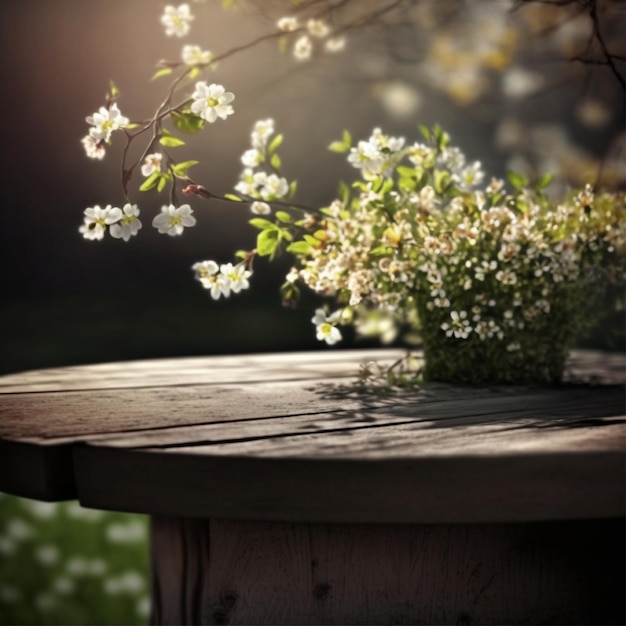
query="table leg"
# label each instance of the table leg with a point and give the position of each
(231, 572)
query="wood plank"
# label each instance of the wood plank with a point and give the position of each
(297, 417)
(271, 573)
(200, 370)
(588, 364)
(81, 414)
(468, 488)
(556, 410)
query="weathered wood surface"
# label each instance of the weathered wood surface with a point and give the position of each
(228, 572)
(264, 436)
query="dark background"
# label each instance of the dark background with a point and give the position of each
(67, 300)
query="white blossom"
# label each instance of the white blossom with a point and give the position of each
(247, 184)
(195, 55)
(303, 48)
(274, 187)
(288, 24)
(335, 44)
(317, 28)
(152, 163)
(173, 220)
(97, 220)
(252, 157)
(128, 225)
(176, 20)
(459, 327)
(262, 131)
(105, 121)
(208, 273)
(325, 326)
(211, 101)
(260, 208)
(236, 276)
(94, 148)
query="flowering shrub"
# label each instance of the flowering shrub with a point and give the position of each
(495, 277)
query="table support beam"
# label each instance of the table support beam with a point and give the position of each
(231, 572)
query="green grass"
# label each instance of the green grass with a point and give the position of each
(63, 564)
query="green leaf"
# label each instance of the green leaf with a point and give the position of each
(299, 247)
(425, 132)
(187, 122)
(114, 92)
(194, 73)
(441, 137)
(164, 71)
(275, 161)
(344, 192)
(338, 146)
(544, 181)
(442, 181)
(262, 223)
(169, 141)
(275, 143)
(292, 188)
(283, 217)
(162, 182)
(381, 251)
(343, 145)
(180, 169)
(233, 197)
(312, 241)
(267, 242)
(517, 180)
(150, 182)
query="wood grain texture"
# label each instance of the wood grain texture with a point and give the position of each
(270, 573)
(181, 437)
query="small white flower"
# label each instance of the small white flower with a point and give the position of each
(260, 208)
(105, 121)
(93, 148)
(173, 220)
(208, 273)
(237, 276)
(152, 163)
(303, 48)
(195, 55)
(459, 327)
(335, 44)
(129, 224)
(47, 554)
(252, 157)
(261, 132)
(288, 24)
(325, 326)
(97, 220)
(317, 28)
(274, 187)
(131, 532)
(176, 20)
(211, 101)
(247, 184)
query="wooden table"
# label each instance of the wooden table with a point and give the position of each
(279, 495)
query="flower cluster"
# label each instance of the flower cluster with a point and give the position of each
(104, 122)
(222, 280)
(260, 179)
(305, 35)
(122, 223)
(490, 276)
(495, 277)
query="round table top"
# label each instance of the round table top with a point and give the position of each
(288, 437)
